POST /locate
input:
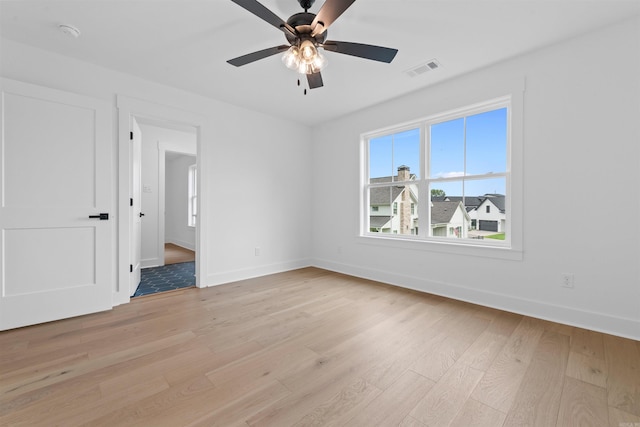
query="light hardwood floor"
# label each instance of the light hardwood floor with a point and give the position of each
(314, 348)
(174, 254)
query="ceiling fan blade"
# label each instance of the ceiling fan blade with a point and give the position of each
(329, 12)
(254, 56)
(366, 51)
(314, 80)
(265, 14)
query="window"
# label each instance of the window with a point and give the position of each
(435, 174)
(192, 194)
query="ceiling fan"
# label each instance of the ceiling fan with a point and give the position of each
(306, 33)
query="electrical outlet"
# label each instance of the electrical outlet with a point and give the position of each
(256, 251)
(567, 280)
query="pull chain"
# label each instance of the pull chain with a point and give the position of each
(305, 89)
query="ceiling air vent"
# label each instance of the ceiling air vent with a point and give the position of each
(423, 68)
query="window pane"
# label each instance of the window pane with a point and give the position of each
(448, 213)
(487, 142)
(380, 213)
(440, 190)
(381, 157)
(406, 152)
(490, 216)
(393, 210)
(447, 149)
(480, 187)
(484, 202)
(390, 153)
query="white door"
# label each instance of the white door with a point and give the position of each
(55, 169)
(136, 197)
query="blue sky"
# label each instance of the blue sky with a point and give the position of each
(485, 153)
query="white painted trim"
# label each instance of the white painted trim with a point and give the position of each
(128, 107)
(248, 273)
(467, 247)
(624, 327)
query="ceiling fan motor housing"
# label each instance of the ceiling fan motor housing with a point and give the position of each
(302, 24)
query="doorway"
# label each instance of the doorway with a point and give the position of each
(168, 189)
(166, 117)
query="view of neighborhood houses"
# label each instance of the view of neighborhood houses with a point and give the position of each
(394, 209)
(465, 172)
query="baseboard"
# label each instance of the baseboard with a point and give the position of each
(250, 273)
(151, 262)
(624, 327)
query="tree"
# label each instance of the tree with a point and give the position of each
(435, 192)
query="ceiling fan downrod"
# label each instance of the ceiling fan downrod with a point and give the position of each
(306, 4)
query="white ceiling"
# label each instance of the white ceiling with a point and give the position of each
(185, 43)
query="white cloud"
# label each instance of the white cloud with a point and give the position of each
(449, 174)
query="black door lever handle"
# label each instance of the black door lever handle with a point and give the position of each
(102, 216)
(141, 214)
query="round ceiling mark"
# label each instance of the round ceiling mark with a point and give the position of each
(69, 30)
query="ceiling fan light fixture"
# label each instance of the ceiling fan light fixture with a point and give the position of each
(308, 51)
(314, 66)
(291, 58)
(319, 62)
(305, 59)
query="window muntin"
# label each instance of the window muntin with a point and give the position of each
(464, 158)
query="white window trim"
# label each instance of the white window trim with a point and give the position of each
(513, 250)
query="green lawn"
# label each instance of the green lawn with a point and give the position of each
(499, 236)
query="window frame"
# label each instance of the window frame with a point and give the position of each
(508, 249)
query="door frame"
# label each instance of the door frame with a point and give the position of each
(132, 107)
(163, 148)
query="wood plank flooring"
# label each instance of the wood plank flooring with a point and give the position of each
(314, 348)
(174, 254)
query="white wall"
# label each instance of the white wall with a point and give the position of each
(266, 163)
(177, 230)
(581, 170)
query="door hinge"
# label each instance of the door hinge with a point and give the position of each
(131, 136)
(131, 201)
(130, 268)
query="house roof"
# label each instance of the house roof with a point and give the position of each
(442, 212)
(497, 199)
(378, 221)
(473, 202)
(380, 195)
(468, 202)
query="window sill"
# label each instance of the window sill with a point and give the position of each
(455, 248)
